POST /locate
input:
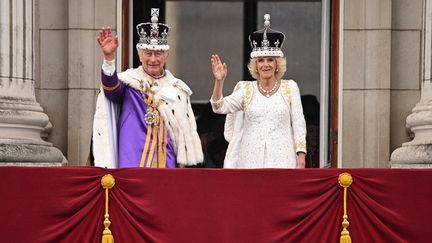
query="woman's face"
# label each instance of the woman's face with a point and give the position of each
(266, 67)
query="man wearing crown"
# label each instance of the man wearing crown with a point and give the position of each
(143, 116)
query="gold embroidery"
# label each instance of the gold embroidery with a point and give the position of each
(286, 91)
(161, 102)
(146, 146)
(156, 129)
(107, 88)
(219, 103)
(153, 145)
(163, 140)
(248, 94)
(301, 146)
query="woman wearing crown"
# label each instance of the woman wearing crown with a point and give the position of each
(265, 126)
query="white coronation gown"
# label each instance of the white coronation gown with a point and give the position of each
(273, 128)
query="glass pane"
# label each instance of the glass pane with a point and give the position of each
(301, 24)
(199, 29)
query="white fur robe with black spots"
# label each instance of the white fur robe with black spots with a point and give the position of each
(176, 112)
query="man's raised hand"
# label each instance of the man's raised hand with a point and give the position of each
(108, 43)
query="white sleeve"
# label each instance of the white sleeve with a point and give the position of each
(297, 119)
(108, 67)
(229, 104)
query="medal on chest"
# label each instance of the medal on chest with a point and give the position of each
(149, 117)
(152, 115)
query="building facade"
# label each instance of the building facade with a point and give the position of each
(380, 49)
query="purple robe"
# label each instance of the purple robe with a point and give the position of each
(132, 129)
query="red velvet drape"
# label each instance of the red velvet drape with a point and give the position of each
(214, 205)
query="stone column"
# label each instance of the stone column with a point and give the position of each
(21, 117)
(418, 152)
(366, 83)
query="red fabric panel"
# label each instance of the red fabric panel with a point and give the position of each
(391, 205)
(214, 205)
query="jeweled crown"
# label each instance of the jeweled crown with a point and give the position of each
(266, 42)
(154, 35)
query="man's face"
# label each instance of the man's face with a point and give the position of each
(153, 61)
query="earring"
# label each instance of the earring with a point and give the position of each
(277, 70)
(256, 70)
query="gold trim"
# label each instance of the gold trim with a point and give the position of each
(146, 145)
(248, 94)
(155, 128)
(286, 91)
(107, 183)
(161, 159)
(219, 103)
(301, 146)
(152, 148)
(107, 88)
(345, 180)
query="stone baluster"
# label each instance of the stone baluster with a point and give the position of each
(21, 117)
(418, 152)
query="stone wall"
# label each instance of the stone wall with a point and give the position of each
(381, 74)
(405, 61)
(417, 153)
(70, 62)
(22, 119)
(366, 83)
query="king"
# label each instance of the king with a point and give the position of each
(143, 115)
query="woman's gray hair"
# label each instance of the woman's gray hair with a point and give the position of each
(281, 67)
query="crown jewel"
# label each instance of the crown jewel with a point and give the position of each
(153, 35)
(266, 42)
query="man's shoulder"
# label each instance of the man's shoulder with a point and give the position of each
(131, 73)
(178, 83)
(129, 77)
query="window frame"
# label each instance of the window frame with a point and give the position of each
(331, 39)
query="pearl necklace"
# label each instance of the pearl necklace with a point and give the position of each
(267, 92)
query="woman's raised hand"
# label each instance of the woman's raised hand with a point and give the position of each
(219, 69)
(108, 43)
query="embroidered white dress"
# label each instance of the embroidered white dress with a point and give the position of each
(272, 129)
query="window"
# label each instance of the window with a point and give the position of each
(201, 28)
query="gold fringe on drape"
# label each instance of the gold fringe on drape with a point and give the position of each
(345, 180)
(107, 182)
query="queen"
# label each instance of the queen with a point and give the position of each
(265, 126)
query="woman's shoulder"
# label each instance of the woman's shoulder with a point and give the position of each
(243, 84)
(289, 81)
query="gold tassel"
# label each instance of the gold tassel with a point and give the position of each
(161, 154)
(345, 180)
(107, 182)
